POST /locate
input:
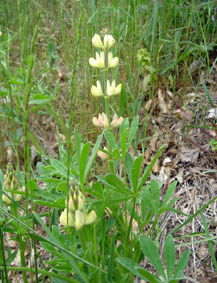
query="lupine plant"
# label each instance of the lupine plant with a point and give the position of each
(97, 222)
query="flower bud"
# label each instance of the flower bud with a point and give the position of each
(116, 122)
(97, 90)
(79, 219)
(109, 41)
(102, 154)
(112, 62)
(101, 121)
(99, 62)
(5, 199)
(97, 42)
(71, 204)
(90, 218)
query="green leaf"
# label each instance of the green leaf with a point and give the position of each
(123, 141)
(92, 156)
(130, 265)
(83, 160)
(41, 99)
(147, 172)
(151, 252)
(150, 277)
(181, 265)
(169, 256)
(128, 165)
(59, 166)
(49, 248)
(115, 183)
(110, 138)
(133, 129)
(169, 193)
(136, 172)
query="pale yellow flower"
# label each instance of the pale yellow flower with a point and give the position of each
(63, 218)
(109, 41)
(90, 218)
(99, 62)
(79, 219)
(116, 122)
(112, 62)
(101, 121)
(97, 90)
(112, 89)
(97, 42)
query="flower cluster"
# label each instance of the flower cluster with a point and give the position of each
(10, 185)
(76, 215)
(103, 122)
(104, 60)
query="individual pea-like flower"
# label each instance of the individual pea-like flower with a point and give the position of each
(99, 62)
(63, 218)
(109, 41)
(102, 154)
(90, 218)
(116, 122)
(112, 89)
(102, 121)
(112, 62)
(97, 42)
(79, 219)
(97, 90)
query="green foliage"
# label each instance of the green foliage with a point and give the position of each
(173, 274)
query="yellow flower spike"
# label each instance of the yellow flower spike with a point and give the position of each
(79, 219)
(63, 218)
(99, 62)
(116, 122)
(109, 41)
(103, 155)
(112, 89)
(97, 42)
(90, 218)
(97, 90)
(112, 62)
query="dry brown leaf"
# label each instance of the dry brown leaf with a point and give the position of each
(189, 154)
(148, 105)
(162, 103)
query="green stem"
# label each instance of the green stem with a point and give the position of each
(44, 272)
(22, 247)
(130, 226)
(4, 267)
